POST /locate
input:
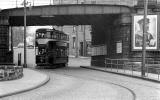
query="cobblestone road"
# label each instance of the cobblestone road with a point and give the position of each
(63, 86)
(75, 83)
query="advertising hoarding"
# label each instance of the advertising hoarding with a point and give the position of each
(151, 34)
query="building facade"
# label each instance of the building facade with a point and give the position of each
(83, 46)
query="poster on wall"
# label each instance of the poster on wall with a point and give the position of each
(119, 47)
(151, 34)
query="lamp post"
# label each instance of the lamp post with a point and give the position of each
(84, 40)
(25, 60)
(16, 4)
(76, 44)
(144, 39)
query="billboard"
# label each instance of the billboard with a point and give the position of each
(151, 32)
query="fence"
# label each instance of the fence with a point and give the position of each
(132, 67)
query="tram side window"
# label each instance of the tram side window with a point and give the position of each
(48, 34)
(62, 52)
(67, 38)
(37, 35)
(66, 52)
(56, 35)
(61, 36)
(58, 52)
(53, 35)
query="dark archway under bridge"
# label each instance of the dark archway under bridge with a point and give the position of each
(59, 20)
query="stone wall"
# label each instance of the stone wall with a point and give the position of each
(116, 31)
(10, 72)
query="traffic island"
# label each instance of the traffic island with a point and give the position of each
(10, 72)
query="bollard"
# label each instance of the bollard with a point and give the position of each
(123, 68)
(111, 65)
(19, 59)
(158, 75)
(117, 65)
(132, 69)
(124, 65)
(147, 71)
(105, 64)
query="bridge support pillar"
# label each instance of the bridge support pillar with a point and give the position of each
(6, 54)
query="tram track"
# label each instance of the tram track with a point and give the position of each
(134, 97)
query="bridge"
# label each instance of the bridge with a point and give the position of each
(111, 26)
(71, 14)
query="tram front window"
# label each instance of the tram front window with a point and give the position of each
(42, 51)
(40, 35)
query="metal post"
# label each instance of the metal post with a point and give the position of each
(76, 45)
(50, 2)
(117, 64)
(111, 64)
(16, 4)
(11, 39)
(33, 3)
(105, 62)
(84, 41)
(25, 62)
(144, 39)
(53, 2)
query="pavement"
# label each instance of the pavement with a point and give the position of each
(135, 74)
(31, 79)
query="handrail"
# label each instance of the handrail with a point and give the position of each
(132, 67)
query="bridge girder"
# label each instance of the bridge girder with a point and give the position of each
(79, 14)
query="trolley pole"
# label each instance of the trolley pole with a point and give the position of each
(16, 4)
(25, 62)
(144, 39)
(33, 3)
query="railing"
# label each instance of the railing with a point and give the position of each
(131, 67)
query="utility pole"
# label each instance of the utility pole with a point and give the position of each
(76, 45)
(25, 60)
(16, 4)
(50, 2)
(11, 39)
(33, 3)
(144, 38)
(84, 41)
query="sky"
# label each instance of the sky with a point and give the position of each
(4, 4)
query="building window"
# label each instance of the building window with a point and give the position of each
(74, 29)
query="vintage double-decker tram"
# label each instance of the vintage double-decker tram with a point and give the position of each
(51, 47)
